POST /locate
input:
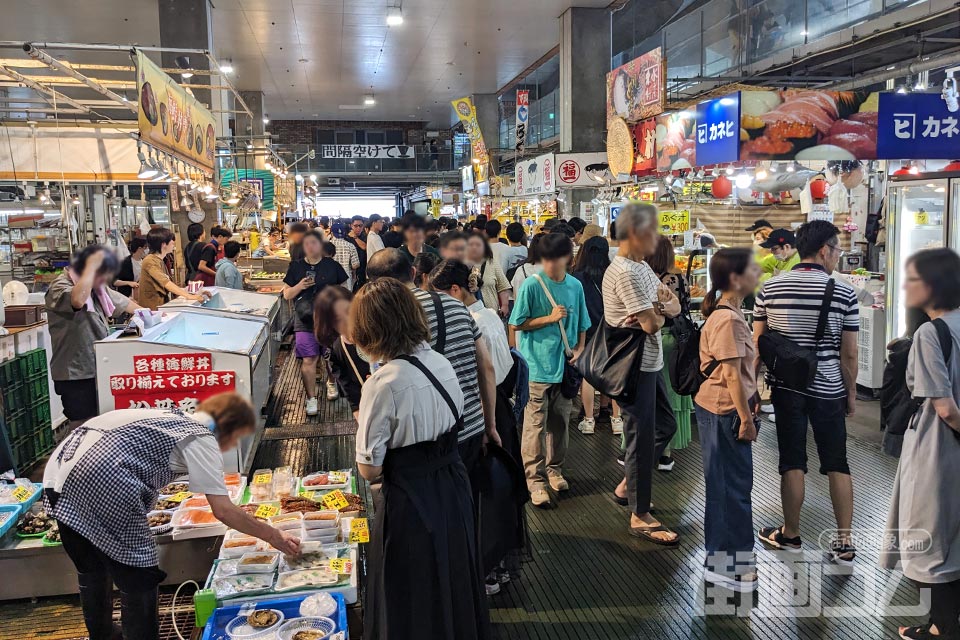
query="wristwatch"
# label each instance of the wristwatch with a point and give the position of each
(658, 307)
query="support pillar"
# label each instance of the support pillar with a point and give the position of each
(488, 116)
(584, 63)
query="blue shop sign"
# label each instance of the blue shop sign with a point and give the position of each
(718, 130)
(917, 126)
(615, 211)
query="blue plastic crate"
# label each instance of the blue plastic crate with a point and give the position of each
(37, 492)
(290, 606)
(14, 510)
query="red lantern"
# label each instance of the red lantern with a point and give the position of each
(953, 166)
(818, 189)
(721, 187)
(902, 171)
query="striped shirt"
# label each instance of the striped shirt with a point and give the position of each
(348, 258)
(790, 305)
(460, 349)
(628, 288)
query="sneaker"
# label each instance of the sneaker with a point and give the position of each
(492, 586)
(771, 417)
(503, 576)
(313, 407)
(622, 458)
(587, 426)
(842, 554)
(559, 483)
(742, 584)
(540, 498)
(332, 391)
(766, 408)
(665, 464)
(616, 425)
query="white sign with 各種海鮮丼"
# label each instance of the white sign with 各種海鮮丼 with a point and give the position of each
(535, 176)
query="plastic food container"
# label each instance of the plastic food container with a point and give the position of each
(325, 626)
(194, 518)
(320, 535)
(308, 578)
(195, 502)
(320, 605)
(232, 479)
(259, 562)
(310, 560)
(287, 521)
(261, 485)
(242, 584)
(226, 567)
(240, 628)
(321, 520)
(238, 547)
(163, 528)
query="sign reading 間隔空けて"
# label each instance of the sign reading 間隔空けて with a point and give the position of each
(172, 120)
(917, 126)
(367, 151)
(718, 130)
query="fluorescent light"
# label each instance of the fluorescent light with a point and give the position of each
(394, 16)
(369, 100)
(226, 66)
(298, 178)
(266, 120)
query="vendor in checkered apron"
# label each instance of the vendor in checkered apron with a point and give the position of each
(104, 478)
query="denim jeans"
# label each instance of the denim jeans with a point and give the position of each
(728, 471)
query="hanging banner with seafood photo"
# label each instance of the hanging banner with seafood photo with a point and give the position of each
(676, 141)
(170, 119)
(468, 116)
(645, 143)
(637, 90)
(804, 125)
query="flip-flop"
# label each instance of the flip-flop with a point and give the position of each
(916, 633)
(623, 502)
(645, 533)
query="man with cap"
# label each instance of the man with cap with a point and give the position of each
(783, 246)
(346, 254)
(374, 241)
(761, 230)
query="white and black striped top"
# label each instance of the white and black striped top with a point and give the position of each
(460, 349)
(790, 303)
(628, 288)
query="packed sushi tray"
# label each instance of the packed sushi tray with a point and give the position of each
(185, 514)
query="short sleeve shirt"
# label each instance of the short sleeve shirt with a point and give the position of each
(543, 348)
(629, 288)
(726, 336)
(73, 332)
(494, 281)
(326, 272)
(202, 460)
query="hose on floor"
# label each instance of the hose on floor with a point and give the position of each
(173, 606)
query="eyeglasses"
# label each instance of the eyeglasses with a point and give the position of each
(834, 247)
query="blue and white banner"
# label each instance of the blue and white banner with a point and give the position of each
(718, 130)
(917, 126)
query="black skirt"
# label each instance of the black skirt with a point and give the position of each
(424, 578)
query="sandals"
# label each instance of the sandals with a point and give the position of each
(773, 537)
(917, 633)
(646, 533)
(623, 502)
(842, 554)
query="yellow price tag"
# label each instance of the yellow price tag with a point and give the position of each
(341, 565)
(338, 477)
(359, 531)
(335, 500)
(921, 218)
(180, 497)
(265, 511)
(22, 494)
(263, 478)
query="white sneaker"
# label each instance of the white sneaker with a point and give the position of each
(332, 391)
(492, 586)
(587, 426)
(616, 425)
(559, 483)
(540, 498)
(313, 407)
(766, 408)
(772, 417)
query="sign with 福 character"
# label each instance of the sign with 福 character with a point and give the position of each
(917, 126)
(367, 151)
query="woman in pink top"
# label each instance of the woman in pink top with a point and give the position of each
(726, 404)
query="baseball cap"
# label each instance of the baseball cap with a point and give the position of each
(338, 229)
(759, 224)
(778, 238)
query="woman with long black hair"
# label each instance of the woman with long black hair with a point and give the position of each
(349, 367)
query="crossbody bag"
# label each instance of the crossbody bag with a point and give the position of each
(571, 381)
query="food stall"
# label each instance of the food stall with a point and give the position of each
(184, 359)
(235, 303)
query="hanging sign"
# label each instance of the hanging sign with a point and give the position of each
(637, 89)
(535, 176)
(676, 141)
(368, 151)
(581, 169)
(674, 222)
(718, 130)
(645, 153)
(468, 116)
(523, 114)
(170, 119)
(917, 126)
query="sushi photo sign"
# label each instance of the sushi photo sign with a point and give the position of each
(637, 90)
(170, 119)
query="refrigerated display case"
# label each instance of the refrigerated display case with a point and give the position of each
(921, 214)
(183, 360)
(234, 303)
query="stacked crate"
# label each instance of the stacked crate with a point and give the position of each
(25, 394)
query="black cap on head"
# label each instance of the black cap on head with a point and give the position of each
(778, 238)
(759, 224)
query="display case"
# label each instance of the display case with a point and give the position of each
(182, 361)
(238, 304)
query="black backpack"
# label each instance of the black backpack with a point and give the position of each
(897, 405)
(684, 363)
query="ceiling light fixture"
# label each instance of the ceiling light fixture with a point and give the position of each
(226, 66)
(266, 120)
(394, 16)
(369, 100)
(249, 146)
(185, 200)
(74, 198)
(147, 170)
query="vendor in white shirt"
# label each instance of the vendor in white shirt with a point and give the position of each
(105, 477)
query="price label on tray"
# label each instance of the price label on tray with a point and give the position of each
(265, 511)
(263, 478)
(341, 565)
(180, 496)
(338, 477)
(359, 531)
(22, 493)
(335, 500)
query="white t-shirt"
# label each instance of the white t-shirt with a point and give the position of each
(494, 335)
(374, 244)
(400, 406)
(628, 288)
(523, 272)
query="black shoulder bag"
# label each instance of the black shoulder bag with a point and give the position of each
(793, 366)
(441, 343)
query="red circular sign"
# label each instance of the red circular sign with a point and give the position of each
(569, 171)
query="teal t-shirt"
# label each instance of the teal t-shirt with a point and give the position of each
(543, 348)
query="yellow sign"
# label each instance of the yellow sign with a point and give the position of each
(22, 494)
(265, 511)
(468, 116)
(170, 119)
(342, 566)
(263, 478)
(180, 497)
(359, 531)
(335, 500)
(674, 221)
(338, 477)
(921, 218)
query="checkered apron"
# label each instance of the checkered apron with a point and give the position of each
(109, 491)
